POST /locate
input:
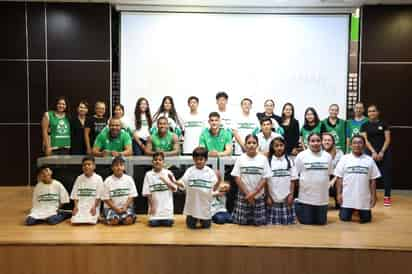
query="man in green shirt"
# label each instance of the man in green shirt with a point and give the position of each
(113, 142)
(216, 140)
(162, 140)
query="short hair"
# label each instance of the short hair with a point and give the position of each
(113, 118)
(162, 118)
(100, 102)
(118, 160)
(246, 99)
(88, 158)
(200, 152)
(192, 98)
(158, 154)
(358, 136)
(334, 105)
(266, 119)
(118, 105)
(214, 114)
(221, 94)
(41, 168)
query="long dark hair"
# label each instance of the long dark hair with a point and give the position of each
(293, 112)
(306, 123)
(172, 112)
(62, 98)
(137, 114)
(272, 151)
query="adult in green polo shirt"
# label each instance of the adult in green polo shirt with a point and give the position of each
(113, 142)
(162, 140)
(216, 140)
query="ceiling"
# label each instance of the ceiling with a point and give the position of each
(244, 3)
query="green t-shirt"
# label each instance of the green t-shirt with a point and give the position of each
(217, 143)
(353, 127)
(105, 142)
(306, 132)
(164, 144)
(338, 132)
(59, 131)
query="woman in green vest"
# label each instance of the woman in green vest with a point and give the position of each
(56, 129)
(310, 125)
(336, 127)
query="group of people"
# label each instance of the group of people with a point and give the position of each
(278, 160)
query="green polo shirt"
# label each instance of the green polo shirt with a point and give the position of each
(105, 142)
(217, 143)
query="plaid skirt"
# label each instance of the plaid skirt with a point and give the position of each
(248, 214)
(281, 214)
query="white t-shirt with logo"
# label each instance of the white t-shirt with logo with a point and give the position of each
(356, 171)
(194, 125)
(199, 185)
(47, 198)
(244, 125)
(264, 143)
(119, 190)
(251, 171)
(162, 196)
(144, 130)
(87, 190)
(279, 182)
(314, 170)
(226, 119)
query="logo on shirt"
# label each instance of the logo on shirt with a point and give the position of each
(158, 187)
(86, 192)
(119, 192)
(251, 170)
(200, 183)
(316, 165)
(280, 173)
(48, 197)
(357, 170)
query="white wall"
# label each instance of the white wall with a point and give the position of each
(301, 59)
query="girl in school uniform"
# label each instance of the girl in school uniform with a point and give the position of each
(312, 124)
(142, 125)
(251, 172)
(313, 166)
(55, 127)
(280, 187)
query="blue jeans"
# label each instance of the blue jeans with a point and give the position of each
(345, 214)
(192, 221)
(221, 218)
(156, 223)
(137, 150)
(311, 214)
(52, 220)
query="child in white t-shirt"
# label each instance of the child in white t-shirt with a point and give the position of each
(314, 166)
(86, 194)
(118, 195)
(280, 187)
(200, 183)
(220, 215)
(158, 187)
(48, 197)
(251, 172)
(356, 176)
